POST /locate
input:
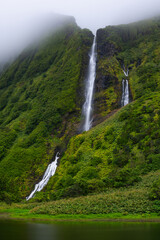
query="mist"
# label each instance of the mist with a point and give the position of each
(17, 35)
(22, 21)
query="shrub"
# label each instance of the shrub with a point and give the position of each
(155, 191)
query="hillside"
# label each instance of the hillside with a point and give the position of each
(41, 96)
(114, 154)
(124, 148)
(134, 47)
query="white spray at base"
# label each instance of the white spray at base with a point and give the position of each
(87, 107)
(50, 171)
(125, 90)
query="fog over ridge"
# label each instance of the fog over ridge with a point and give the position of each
(21, 21)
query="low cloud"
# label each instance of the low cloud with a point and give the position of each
(22, 20)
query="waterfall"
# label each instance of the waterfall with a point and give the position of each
(125, 90)
(87, 107)
(126, 72)
(50, 171)
(125, 93)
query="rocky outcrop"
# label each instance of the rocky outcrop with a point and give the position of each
(105, 47)
(107, 84)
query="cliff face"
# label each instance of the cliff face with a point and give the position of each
(121, 150)
(108, 80)
(41, 96)
(134, 47)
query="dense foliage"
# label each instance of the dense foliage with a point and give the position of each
(41, 95)
(114, 154)
(134, 46)
(41, 98)
(132, 200)
(124, 202)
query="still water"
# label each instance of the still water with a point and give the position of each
(15, 230)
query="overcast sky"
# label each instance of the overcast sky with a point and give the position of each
(18, 17)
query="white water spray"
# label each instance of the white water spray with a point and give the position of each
(87, 107)
(125, 93)
(51, 169)
(125, 89)
(126, 72)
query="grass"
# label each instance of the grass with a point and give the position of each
(24, 214)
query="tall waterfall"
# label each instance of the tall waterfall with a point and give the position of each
(125, 90)
(125, 93)
(50, 171)
(87, 107)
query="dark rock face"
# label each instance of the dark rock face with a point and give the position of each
(107, 85)
(103, 104)
(104, 81)
(105, 47)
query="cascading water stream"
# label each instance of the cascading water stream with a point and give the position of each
(87, 107)
(126, 72)
(50, 171)
(125, 90)
(125, 93)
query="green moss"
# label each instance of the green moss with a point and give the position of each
(41, 95)
(114, 154)
(133, 46)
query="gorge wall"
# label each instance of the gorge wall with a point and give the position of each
(41, 99)
(133, 46)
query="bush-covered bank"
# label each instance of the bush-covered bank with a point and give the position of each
(124, 202)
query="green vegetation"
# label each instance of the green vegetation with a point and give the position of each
(134, 200)
(108, 84)
(114, 154)
(24, 214)
(130, 203)
(111, 170)
(41, 95)
(134, 46)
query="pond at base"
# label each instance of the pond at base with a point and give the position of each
(15, 230)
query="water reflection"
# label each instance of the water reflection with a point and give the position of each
(41, 231)
(15, 230)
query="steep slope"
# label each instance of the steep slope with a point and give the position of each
(119, 151)
(41, 96)
(114, 154)
(135, 47)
